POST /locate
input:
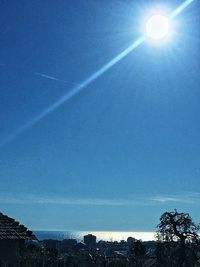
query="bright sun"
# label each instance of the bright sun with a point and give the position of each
(157, 27)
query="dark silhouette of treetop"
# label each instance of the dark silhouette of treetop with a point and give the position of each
(178, 236)
(177, 226)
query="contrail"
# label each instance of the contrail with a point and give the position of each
(73, 92)
(180, 8)
(77, 89)
(49, 77)
(46, 76)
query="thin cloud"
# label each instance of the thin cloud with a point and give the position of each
(185, 198)
(33, 199)
(166, 199)
(138, 200)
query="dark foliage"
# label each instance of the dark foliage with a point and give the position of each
(177, 240)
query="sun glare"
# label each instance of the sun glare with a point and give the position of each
(157, 27)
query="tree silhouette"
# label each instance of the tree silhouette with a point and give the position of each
(137, 254)
(179, 229)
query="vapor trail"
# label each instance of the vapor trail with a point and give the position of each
(43, 75)
(73, 92)
(180, 8)
(46, 76)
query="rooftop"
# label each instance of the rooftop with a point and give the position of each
(11, 229)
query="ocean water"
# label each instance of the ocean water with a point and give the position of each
(101, 235)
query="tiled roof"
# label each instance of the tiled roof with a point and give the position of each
(11, 229)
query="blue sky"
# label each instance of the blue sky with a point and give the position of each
(123, 150)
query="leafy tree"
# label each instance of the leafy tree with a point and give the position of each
(138, 253)
(178, 229)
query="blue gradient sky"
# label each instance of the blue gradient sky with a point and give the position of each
(126, 148)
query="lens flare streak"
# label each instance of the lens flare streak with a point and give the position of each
(73, 92)
(179, 9)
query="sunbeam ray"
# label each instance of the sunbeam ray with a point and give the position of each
(73, 92)
(180, 8)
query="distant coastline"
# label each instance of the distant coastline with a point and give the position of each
(101, 235)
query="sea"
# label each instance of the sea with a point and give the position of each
(101, 235)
